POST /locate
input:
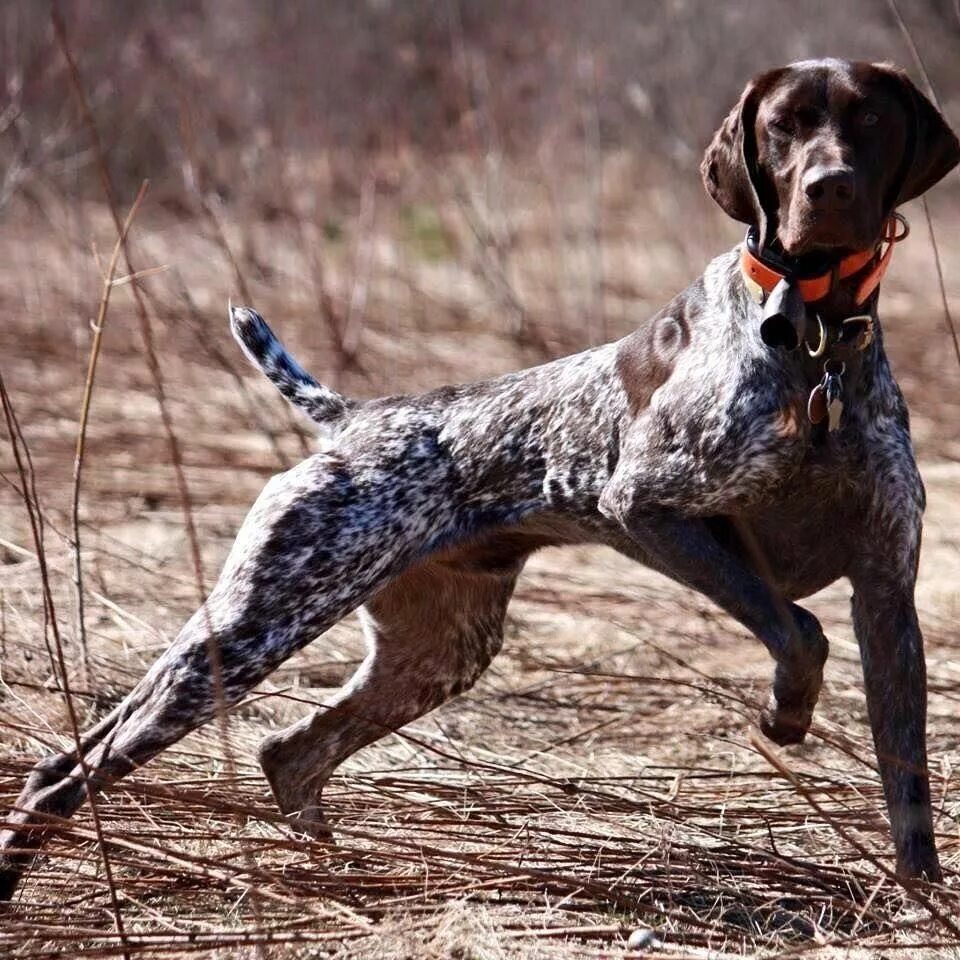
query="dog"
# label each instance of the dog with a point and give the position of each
(748, 441)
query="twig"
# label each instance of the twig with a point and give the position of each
(108, 285)
(146, 331)
(220, 238)
(58, 661)
(948, 316)
(219, 235)
(911, 888)
(363, 261)
(593, 161)
(932, 93)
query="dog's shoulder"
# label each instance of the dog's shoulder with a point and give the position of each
(707, 325)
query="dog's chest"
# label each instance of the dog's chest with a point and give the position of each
(718, 421)
(806, 530)
(725, 429)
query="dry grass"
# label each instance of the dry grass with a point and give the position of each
(603, 775)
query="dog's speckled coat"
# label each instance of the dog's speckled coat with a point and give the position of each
(684, 445)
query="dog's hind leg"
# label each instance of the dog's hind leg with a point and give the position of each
(431, 633)
(320, 540)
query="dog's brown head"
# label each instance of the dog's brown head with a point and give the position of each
(819, 153)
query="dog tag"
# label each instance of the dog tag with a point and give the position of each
(817, 404)
(784, 316)
(826, 398)
(833, 393)
(834, 413)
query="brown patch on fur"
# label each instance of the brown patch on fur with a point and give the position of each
(791, 421)
(646, 358)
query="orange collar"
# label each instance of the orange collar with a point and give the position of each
(761, 277)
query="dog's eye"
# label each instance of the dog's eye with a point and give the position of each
(783, 124)
(869, 119)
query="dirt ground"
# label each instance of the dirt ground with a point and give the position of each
(415, 194)
(605, 775)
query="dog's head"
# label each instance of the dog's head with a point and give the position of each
(820, 152)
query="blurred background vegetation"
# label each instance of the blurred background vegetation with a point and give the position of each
(396, 182)
(225, 90)
(416, 193)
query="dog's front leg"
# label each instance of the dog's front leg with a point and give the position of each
(894, 671)
(684, 549)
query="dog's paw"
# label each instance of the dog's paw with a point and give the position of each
(785, 726)
(918, 860)
(311, 824)
(789, 712)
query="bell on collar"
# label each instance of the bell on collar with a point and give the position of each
(784, 316)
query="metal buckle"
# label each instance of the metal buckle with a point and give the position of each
(865, 337)
(862, 340)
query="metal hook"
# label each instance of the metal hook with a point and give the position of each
(902, 220)
(822, 346)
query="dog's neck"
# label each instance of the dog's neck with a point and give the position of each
(822, 311)
(834, 286)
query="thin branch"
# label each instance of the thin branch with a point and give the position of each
(948, 316)
(911, 888)
(932, 93)
(58, 661)
(108, 284)
(146, 332)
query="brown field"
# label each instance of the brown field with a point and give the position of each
(606, 773)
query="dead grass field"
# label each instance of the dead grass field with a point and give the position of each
(605, 774)
(602, 775)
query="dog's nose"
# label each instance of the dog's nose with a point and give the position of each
(830, 188)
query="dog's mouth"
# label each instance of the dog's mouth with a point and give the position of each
(828, 232)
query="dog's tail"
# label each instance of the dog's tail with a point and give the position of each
(321, 404)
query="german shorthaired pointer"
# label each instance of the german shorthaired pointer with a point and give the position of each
(748, 441)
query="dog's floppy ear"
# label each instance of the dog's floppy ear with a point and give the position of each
(932, 147)
(729, 168)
